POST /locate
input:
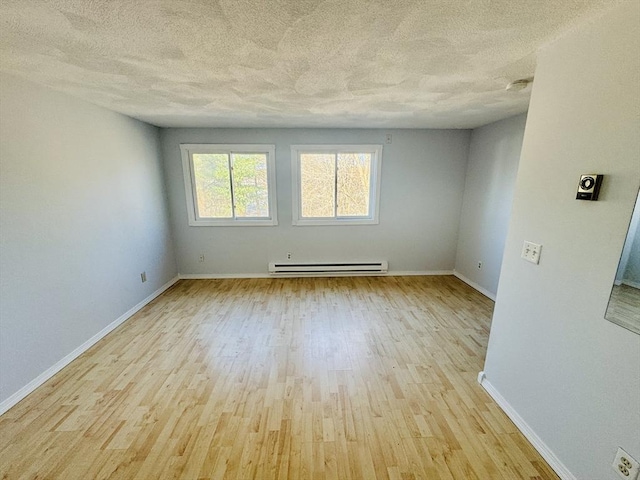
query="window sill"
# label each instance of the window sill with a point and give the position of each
(233, 223)
(333, 222)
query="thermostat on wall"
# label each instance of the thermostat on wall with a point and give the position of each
(589, 186)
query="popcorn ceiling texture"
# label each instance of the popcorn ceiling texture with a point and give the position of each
(288, 63)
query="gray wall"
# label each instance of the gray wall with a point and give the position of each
(629, 267)
(83, 213)
(421, 196)
(632, 272)
(573, 377)
(494, 154)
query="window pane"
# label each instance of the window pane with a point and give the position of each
(317, 184)
(250, 189)
(354, 179)
(213, 185)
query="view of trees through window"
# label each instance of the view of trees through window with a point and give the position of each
(335, 184)
(231, 185)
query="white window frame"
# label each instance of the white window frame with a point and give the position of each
(188, 150)
(374, 185)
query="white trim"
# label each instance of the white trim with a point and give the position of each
(188, 149)
(474, 285)
(342, 221)
(397, 273)
(630, 283)
(419, 273)
(554, 462)
(209, 276)
(374, 186)
(59, 365)
(233, 223)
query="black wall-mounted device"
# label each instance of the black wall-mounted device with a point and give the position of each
(589, 186)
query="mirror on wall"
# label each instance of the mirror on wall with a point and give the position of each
(624, 303)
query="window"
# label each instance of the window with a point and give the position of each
(230, 184)
(335, 184)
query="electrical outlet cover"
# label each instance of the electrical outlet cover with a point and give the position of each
(626, 466)
(531, 252)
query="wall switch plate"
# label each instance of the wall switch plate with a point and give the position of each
(626, 466)
(143, 277)
(531, 252)
(589, 186)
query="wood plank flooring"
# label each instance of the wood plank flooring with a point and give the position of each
(624, 307)
(315, 378)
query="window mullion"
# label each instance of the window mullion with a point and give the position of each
(233, 198)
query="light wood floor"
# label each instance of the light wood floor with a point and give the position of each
(326, 378)
(624, 307)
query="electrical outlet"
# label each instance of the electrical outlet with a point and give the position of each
(479, 264)
(389, 138)
(201, 258)
(531, 252)
(143, 277)
(626, 466)
(288, 256)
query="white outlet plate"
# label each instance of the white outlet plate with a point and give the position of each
(531, 252)
(626, 466)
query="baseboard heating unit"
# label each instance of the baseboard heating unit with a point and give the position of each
(328, 269)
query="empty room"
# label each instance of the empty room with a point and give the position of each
(315, 239)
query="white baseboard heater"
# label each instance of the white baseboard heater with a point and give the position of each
(332, 268)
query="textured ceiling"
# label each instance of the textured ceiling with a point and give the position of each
(288, 63)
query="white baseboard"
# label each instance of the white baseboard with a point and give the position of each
(393, 273)
(419, 273)
(474, 285)
(55, 368)
(542, 448)
(209, 276)
(631, 283)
